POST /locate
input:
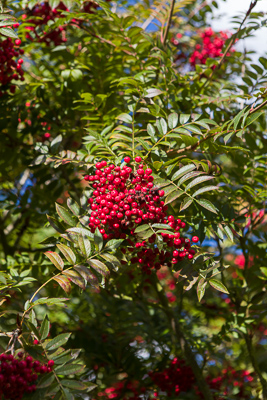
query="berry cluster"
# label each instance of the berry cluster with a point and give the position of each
(231, 381)
(168, 282)
(211, 47)
(177, 378)
(19, 375)
(124, 198)
(124, 390)
(40, 15)
(10, 69)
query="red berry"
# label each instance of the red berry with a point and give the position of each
(195, 239)
(138, 159)
(127, 159)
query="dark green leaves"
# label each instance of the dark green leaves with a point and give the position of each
(56, 259)
(65, 215)
(99, 267)
(201, 288)
(162, 126)
(85, 245)
(218, 285)
(58, 341)
(182, 171)
(68, 253)
(172, 120)
(153, 92)
(45, 327)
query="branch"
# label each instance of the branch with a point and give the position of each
(189, 354)
(218, 66)
(168, 23)
(194, 146)
(104, 40)
(255, 365)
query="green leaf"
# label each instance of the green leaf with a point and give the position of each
(125, 118)
(112, 259)
(172, 120)
(50, 300)
(75, 278)
(69, 369)
(186, 203)
(84, 245)
(201, 288)
(141, 228)
(64, 283)
(45, 326)
(68, 253)
(264, 270)
(56, 259)
(151, 130)
(73, 206)
(76, 385)
(229, 233)
(113, 244)
(182, 171)
(81, 231)
(99, 267)
(207, 204)
(184, 118)
(198, 180)
(153, 92)
(87, 275)
(162, 126)
(253, 117)
(205, 189)
(8, 32)
(98, 239)
(57, 342)
(173, 196)
(161, 226)
(46, 380)
(55, 224)
(238, 118)
(218, 285)
(65, 215)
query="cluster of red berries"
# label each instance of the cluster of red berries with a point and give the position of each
(10, 69)
(168, 282)
(229, 380)
(124, 390)
(19, 375)
(124, 198)
(177, 378)
(40, 15)
(211, 47)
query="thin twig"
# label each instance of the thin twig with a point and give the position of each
(168, 23)
(218, 66)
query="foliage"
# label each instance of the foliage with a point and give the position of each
(133, 181)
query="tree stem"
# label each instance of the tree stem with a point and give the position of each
(189, 355)
(255, 365)
(168, 23)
